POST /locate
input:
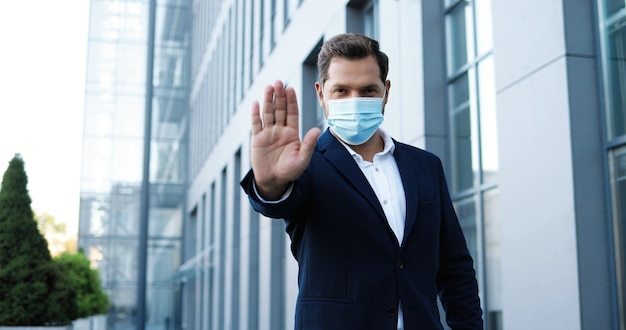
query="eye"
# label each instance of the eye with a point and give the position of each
(369, 91)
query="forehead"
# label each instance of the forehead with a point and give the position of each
(349, 72)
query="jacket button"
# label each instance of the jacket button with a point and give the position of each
(392, 311)
(401, 265)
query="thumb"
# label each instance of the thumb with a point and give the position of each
(308, 143)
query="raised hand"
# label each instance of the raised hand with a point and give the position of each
(277, 155)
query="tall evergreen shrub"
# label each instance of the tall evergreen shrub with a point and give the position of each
(34, 291)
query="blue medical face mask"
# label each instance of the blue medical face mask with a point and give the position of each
(355, 119)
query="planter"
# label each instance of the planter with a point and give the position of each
(67, 327)
(97, 322)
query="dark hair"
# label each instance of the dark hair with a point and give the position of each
(353, 47)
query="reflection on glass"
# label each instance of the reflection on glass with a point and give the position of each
(488, 124)
(613, 21)
(484, 27)
(461, 131)
(615, 72)
(493, 259)
(167, 173)
(473, 143)
(618, 175)
(614, 7)
(369, 22)
(457, 36)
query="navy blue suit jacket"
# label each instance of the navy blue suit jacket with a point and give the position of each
(352, 271)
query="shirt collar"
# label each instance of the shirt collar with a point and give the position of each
(389, 146)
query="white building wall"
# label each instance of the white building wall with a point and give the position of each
(539, 261)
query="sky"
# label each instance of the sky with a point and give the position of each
(43, 56)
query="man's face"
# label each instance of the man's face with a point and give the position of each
(352, 78)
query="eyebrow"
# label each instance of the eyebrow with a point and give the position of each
(372, 86)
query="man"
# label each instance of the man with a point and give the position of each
(370, 219)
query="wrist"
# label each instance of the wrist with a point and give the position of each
(269, 190)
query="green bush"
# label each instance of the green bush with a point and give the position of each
(91, 299)
(34, 290)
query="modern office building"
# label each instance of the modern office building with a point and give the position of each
(134, 156)
(524, 102)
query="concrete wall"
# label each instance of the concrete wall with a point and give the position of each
(551, 177)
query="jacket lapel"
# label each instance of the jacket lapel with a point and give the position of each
(408, 174)
(337, 155)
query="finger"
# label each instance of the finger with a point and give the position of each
(280, 103)
(292, 107)
(268, 106)
(308, 144)
(257, 125)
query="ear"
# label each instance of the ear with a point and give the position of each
(387, 87)
(320, 94)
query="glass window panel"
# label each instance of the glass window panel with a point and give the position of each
(92, 211)
(163, 257)
(448, 3)
(127, 160)
(96, 157)
(129, 116)
(484, 27)
(110, 63)
(613, 22)
(614, 6)
(618, 185)
(124, 210)
(369, 21)
(166, 164)
(171, 25)
(488, 124)
(169, 68)
(457, 37)
(493, 259)
(131, 64)
(102, 62)
(106, 20)
(615, 73)
(461, 135)
(96, 186)
(135, 22)
(98, 114)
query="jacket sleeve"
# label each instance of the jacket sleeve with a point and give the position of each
(277, 210)
(456, 279)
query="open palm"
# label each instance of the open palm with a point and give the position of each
(277, 154)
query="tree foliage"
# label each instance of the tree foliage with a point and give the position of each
(91, 298)
(46, 223)
(34, 290)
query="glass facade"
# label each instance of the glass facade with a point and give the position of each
(473, 143)
(118, 147)
(613, 46)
